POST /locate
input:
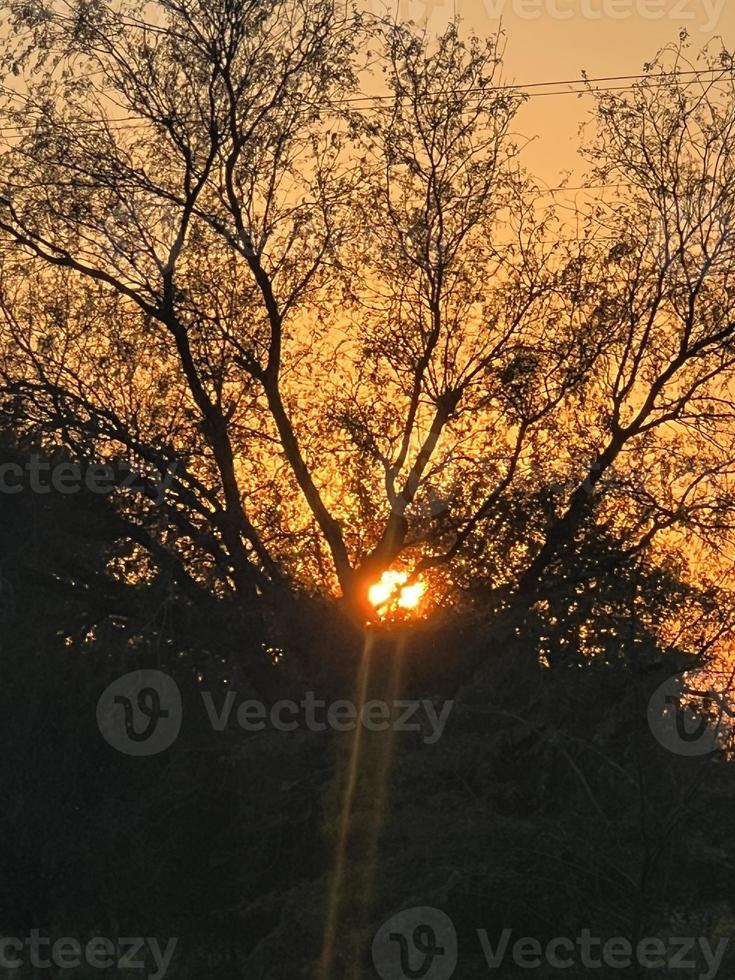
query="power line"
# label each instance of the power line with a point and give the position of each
(664, 77)
(659, 81)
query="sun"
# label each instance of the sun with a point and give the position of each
(391, 593)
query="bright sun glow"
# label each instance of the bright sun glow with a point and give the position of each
(391, 589)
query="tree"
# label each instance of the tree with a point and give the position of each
(334, 314)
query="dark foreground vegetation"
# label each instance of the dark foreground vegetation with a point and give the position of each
(547, 806)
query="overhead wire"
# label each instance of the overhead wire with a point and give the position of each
(364, 103)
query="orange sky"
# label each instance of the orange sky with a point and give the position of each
(558, 39)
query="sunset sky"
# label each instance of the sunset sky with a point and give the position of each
(601, 37)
